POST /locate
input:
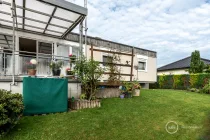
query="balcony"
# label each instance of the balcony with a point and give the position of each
(21, 61)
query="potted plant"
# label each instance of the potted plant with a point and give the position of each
(69, 72)
(136, 88)
(32, 67)
(122, 95)
(72, 58)
(128, 89)
(56, 67)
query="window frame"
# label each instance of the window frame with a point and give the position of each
(144, 61)
(103, 58)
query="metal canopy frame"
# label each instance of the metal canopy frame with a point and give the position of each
(79, 11)
(6, 41)
(66, 19)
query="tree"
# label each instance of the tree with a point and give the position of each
(88, 72)
(196, 65)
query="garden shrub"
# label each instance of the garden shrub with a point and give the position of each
(203, 79)
(11, 108)
(206, 88)
(165, 81)
(181, 81)
(153, 85)
(176, 81)
(161, 80)
(194, 80)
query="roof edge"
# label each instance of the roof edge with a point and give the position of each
(173, 69)
(115, 42)
(158, 69)
(68, 6)
(174, 62)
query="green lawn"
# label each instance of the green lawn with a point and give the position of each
(138, 118)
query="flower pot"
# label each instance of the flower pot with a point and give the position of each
(56, 72)
(136, 92)
(122, 96)
(31, 72)
(69, 73)
(128, 95)
(72, 60)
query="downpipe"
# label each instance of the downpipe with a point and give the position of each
(13, 53)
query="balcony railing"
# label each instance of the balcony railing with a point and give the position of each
(22, 59)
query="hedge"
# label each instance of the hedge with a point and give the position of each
(183, 81)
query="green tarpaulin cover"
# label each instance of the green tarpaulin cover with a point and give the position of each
(45, 95)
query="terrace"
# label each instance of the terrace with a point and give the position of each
(37, 29)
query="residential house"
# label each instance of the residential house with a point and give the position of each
(41, 29)
(178, 67)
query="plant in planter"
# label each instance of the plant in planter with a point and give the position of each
(56, 67)
(122, 95)
(72, 58)
(70, 73)
(82, 96)
(32, 67)
(128, 89)
(136, 88)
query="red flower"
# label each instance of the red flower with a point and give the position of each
(70, 55)
(68, 69)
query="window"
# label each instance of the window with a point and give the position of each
(63, 52)
(142, 65)
(107, 59)
(75, 51)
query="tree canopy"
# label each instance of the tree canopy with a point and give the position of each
(196, 64)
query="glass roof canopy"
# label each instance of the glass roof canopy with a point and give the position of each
(48, 17)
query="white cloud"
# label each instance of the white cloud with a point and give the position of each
(204, 32)
(173, 28)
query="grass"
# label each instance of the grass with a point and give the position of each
(138, 118)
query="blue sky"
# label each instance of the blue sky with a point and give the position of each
(173, 28)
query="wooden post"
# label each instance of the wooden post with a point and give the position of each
(132, 64)
(92, 71)
(91, 51)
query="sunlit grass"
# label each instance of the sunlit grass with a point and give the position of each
(137, 118)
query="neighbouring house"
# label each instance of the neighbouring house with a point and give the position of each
(41, 29)
(178, 67)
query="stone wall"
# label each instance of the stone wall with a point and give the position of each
(108, 93)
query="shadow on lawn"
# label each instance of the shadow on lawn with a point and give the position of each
(206, 135)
